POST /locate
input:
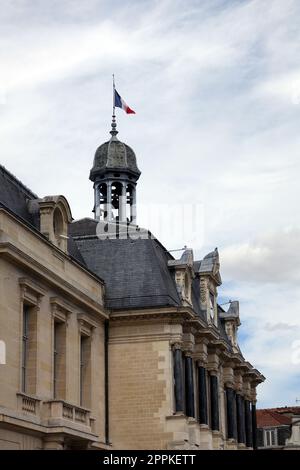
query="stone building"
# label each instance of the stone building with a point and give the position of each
(111, 342)
(278, 428)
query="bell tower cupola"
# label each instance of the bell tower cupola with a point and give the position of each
(115, 175)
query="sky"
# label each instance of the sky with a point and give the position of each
(216, 89)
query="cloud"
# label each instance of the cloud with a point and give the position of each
(272, 258)
(285, 87)
(280, 327)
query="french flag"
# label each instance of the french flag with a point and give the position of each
(120, 103)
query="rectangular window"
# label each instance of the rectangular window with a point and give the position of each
(29, 350)
(25, 347)
(270, 437)
(85, 371)
(59, 360)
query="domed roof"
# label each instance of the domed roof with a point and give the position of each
(114, 155)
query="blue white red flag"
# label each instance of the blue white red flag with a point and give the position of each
(120, 103)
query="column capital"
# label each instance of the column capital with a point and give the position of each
(188, 343)
(253, 395)
(228, 377)
(238, 381)
(201, 361)
(188, 353)
(246, 388)
(213, 371)
(176, 345)
(213, 363)
(201, 354)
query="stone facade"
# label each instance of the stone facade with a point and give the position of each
(38, 275)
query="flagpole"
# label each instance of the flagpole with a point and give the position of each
(114, 96)
(114, 124)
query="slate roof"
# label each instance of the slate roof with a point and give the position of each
(135, 271)
(14, 196)
(83, 227)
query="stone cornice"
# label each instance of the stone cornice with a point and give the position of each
(10, 251)
(42, 238)
(168, 314)
(145, 338)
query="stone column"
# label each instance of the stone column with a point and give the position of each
(248, 424)
(202, 395)
(108, 202)
(231, 413)
(97, 202)
(122, 204)
(240, 411)
(178, 379)
(214, 401)
(254, 425)
(53, 442)
(133, 206)
(189, 387)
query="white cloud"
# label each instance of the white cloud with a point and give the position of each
(273, 258)
(285, 87)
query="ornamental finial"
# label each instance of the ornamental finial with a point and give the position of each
(113, 123)
(113, 131)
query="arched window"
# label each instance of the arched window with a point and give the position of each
(102, 188)
(58, 223)
(116, 193)
(129, 200)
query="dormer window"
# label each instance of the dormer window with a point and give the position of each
(186, 286)
(58, 224)
(184, 273)
(211, 305)
(231, 319)
(55, 215)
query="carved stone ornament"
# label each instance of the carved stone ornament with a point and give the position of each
(203, 290)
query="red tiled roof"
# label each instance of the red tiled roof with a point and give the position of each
(271, 417)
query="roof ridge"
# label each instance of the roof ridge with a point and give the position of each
(278, 408)
(18, 182)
